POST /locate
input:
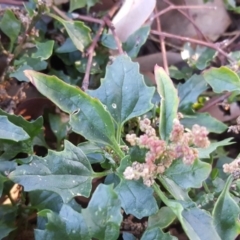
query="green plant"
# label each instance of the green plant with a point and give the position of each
(151, 149)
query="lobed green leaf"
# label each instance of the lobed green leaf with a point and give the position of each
(123, 90)
(68, 225)
(205, 152)
(136, 198)
(206, 120)
(103, 214)
(67, 173)
(188, 176)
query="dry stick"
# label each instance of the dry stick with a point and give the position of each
(12, 2)
(87, 18)
(111, 12)
(214, 102)
(60, 13)
(172, 7)
(76, 16)
(162, 45)
(117, 40)
(90, 53)
(90, 50)
(198, 30)
(192, 40)
(230, 41)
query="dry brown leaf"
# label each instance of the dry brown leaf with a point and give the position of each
(211, 22)
(148, 62)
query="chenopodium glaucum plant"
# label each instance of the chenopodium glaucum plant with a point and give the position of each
(170, 159)
(161, 154)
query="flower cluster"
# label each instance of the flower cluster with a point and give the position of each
(233, 168)
(161, 154)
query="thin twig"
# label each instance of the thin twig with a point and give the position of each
(199, 42)
(214, 102)
(26, 34)
(96, 20)
(162, 45)
(230, 41)
(90, 53)
(60, 13)
(155, 39)
(105, 21)
(172, 7)
(117, 40)
(12, 2)
(76, 16)
(187, 15)
(87, 18)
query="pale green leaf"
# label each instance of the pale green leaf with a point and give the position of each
(44, 50)
(205, 152)
(75, 4)
(205, 120)
(10, 26)
(226, 214)
(88, 116)
(222, 79)
(156, 234)
(162, 219)
(169, 102)
(77, 31)
(197, 223)
(9, 131)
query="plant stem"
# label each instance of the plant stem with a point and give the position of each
(89, 19)
(192, 40)
(60, 13)
(90, 53)
(177, 7)
(117, 40)
(102, 174)
(12, 2)
(119, 152)
(162, 45)
(11, 199)
(118, 137)
(105, 21)
(160, 194)
(187, 15)
(205, 186)
(35, 19)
